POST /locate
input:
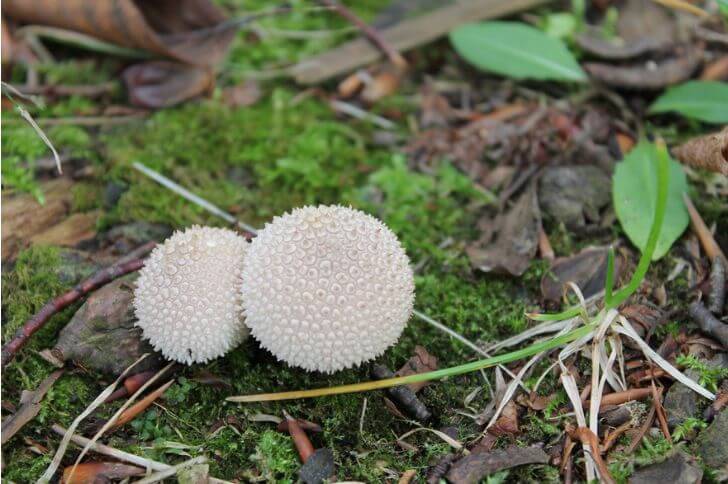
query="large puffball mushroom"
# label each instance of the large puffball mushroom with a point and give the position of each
(187, 298)
(327, 288)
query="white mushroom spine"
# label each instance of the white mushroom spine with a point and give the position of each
(187, 300)
(326, 288)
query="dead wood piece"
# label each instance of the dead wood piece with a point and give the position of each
(402, 396)
(709, 152)
(716, 297)
(404, 36)
(647, 75)
(472, 468)
(132, 262)
(619, 398)
(708, 323)
(29, 408)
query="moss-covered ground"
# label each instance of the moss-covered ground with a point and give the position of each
(257, 162)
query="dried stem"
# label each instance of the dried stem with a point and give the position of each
(132, 262)
(708, 323)
(716, 297)
(710, 246)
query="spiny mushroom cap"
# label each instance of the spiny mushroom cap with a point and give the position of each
(187, 298)
(326, 288)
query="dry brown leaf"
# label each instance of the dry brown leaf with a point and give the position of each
(95, 472)
(648, 74)
(587, 269)
(421, 362)
(709, 152)
(160, 84)
(517, 239)
(29, 408)
(242, 95)
(190, 31)
(474, 467)
(716, 70)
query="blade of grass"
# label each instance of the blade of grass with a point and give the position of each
(609, 282)
(421, 377)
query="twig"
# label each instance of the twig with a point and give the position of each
(708, 323)
(142, 404)
(188, 195)
(716, 297)
(710, 246)
(371, 33)
(132, 262)
(619, 398)
(29, 409)
(684, 6)
(359, 113)
(89, 120)
(85, 90)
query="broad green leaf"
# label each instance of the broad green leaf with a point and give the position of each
(703, 100)
(634, 192)
(516, 50)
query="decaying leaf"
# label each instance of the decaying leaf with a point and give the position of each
(574, 194)
(160, 84)
(708, 152)
(421, 362)
(95, 472)
(472, 468)
(593, 42)
(648, 74)
(29, 407)
(517, 239)
(189, 31)
(587, 269)
(242, 95)
(102, 336)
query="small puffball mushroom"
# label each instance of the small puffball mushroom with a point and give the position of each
(187, 298)
(327, 287)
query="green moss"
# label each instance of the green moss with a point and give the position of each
(275, 457)
(86, 196)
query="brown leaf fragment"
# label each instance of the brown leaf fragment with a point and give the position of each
(70, 231)
(421, 362)
(709, 152)
(587, 269)
(102, 336)
(98, 472)
(161, 84)
(648, 74)
(131, 413)
(716, 70)
(474, 467)
(242, 95)
(574, 194)
(29, 408)
(593, 42)
(190, 31)
(507, 423)
(517, 239)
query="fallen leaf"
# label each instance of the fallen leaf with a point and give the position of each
(160, 84)
(70, 231)
(96, 472)
(648, 74)
(242, 95)
(382, 84)
(517, 239)
(421, 362)
(102, 336)
(208, 378)
(716, 70)
(29, 408)
(507, 423)
(189, 31)
(593, 42)
(587, 270)
(474, 467)
(574, 194)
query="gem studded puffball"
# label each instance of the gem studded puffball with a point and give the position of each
(187, 298)
(327, 288)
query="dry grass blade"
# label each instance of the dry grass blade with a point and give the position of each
(172, 471)
(445, 438)
(46, 477)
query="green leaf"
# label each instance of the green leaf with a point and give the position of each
(516, 50)
(703, 100)
(634, 192)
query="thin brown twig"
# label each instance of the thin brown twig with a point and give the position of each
(643, 430)
(710, 246)
(371, 33)
(130, 263)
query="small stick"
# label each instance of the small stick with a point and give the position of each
(131, 385)
(619, 398)
(710, 246)
(403, 396)
(716, 297)
(708, 323)
(544, 245)
(132, 262)
(371, 33)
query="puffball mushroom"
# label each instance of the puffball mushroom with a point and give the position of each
(326, 288)
(187, 298)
